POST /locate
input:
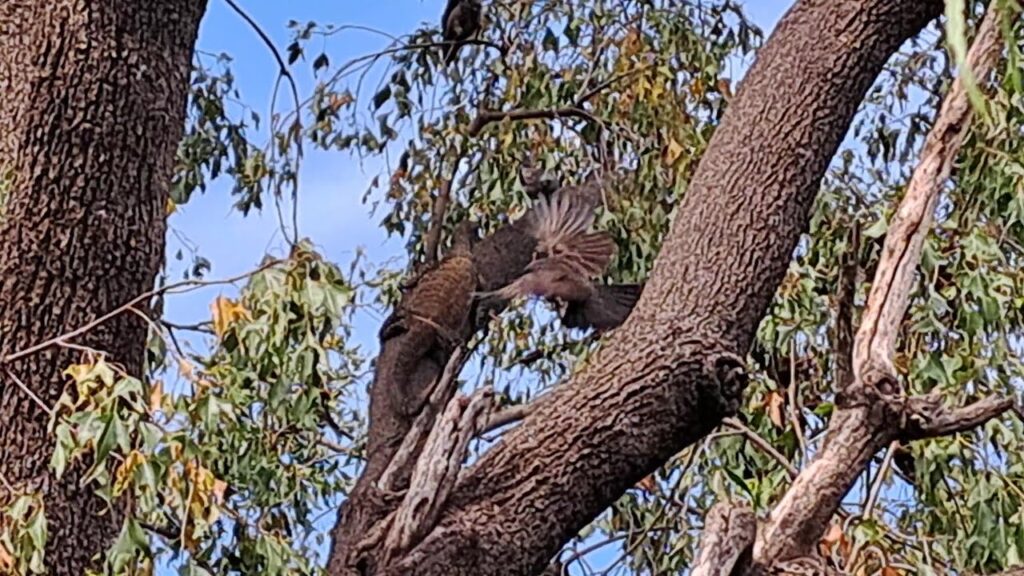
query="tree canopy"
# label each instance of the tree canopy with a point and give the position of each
(226, 449)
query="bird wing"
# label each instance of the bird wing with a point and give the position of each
(560, 223)
(608, 308)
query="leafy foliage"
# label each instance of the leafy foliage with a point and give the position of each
(232, 469)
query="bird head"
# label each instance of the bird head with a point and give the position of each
(534, 180)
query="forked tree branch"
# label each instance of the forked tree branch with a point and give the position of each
(872, 412)
(875, 344)
(437, 468)
(408, 452)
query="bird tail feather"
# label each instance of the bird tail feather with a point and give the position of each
(608, 308)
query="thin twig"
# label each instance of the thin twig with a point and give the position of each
(762, 444)
(282, 65)
(283, 72)
(203, 327)
(488, 117)
(437, 213)
(531, 357)
(334, 446)
(845, 295)
(869, 505)
(188, 285)
(580, 101)
(29, 392)
(794, 404)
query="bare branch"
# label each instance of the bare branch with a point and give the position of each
(875, 345)
(869, 506)
(488, 117)
(421, 428)
(589, 94)
(871, 412)
(334, 446)
(727, 540)
(928, 418)
(508, 416)
(28, 391)
(283, 72)
(176, 288)
(437, 468)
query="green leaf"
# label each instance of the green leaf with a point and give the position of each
(381, 97)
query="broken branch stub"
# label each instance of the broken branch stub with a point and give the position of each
(437, 468)
(727, 540)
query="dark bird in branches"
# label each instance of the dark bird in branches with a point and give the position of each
(460, 22)
(441, 296)
(534, 180)
(434, 316)
(557, 257)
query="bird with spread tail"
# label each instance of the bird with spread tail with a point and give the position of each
(551, 253)
(460, 21)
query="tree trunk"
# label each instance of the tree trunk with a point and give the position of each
(93, 109)
(671, 373)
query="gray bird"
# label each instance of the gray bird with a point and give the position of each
(565, 259)
(460, 21)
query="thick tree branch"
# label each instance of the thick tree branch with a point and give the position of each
(438, 467)
(872, 412)
(409, 450)
(727, 541)
(669, 375)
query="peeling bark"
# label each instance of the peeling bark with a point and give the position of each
(872, 411)
(672, 372)
(93, 110)
(727, 541)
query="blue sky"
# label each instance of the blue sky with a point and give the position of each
(331, 213)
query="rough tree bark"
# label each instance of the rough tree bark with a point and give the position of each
(673, 371)
(92, 112)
